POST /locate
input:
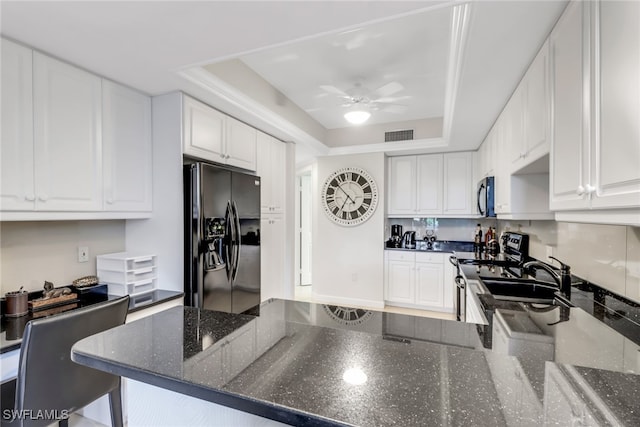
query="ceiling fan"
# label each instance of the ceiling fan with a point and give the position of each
(379, 99)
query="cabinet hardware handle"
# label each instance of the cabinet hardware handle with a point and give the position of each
(228, 156)
(222, 155)
(43, 198)
(110, 201)
(580, 191)
(30, 197)
(590, 189)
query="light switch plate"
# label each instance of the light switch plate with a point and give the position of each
(83, 253)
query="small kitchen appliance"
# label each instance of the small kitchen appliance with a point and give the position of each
(395, 241)
(409, 240)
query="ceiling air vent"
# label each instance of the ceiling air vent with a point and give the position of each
(398, 135)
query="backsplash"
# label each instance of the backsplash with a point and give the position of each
(444, 228)
(607, 255)
(32, 252)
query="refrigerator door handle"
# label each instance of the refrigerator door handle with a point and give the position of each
(237, 246)
(229, 231)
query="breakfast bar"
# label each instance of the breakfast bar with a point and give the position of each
(300, 363)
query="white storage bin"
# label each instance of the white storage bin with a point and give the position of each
(124, 277)
(135, 288)
(125, 261)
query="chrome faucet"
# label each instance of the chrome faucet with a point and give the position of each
(562, 279)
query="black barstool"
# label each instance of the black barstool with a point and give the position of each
(49, 385)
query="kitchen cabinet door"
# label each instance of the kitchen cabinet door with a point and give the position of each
(529, 112)
(127, 149)
(402, 185)
(401, 282)
(429, 281)
(615, 157)
(271, 167)
(536, 107)
(272, 250)
(458, 176)
(240, 144)
(68, 136)
(17, 186)
(429, 184)
(203, 131)
(570, 156)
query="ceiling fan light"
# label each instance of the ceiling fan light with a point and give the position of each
(357, 117)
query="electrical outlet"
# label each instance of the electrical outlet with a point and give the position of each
(549, 251)
(83, 253)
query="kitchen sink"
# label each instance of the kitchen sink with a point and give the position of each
(520, 289)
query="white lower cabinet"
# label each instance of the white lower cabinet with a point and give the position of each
(420, 280)
(429, 284)
(272, 257)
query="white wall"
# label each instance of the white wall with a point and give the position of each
(32, 252)
(348, 261)
(163, 234)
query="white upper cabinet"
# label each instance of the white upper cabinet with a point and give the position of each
(569, 160)
(615, 170)
(596, 105)
(74, 146)
(203, 131)
(431, 184)
(127, 149)
(530, 110)
(240, 144)
(458, 182)
(68, 136)
(402, 185)
(214, 136)
(271, 167)
(17, 187)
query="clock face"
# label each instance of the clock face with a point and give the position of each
(349, 196)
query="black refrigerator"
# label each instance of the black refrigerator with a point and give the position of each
(222, 238)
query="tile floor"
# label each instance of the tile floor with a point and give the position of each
(304, 293)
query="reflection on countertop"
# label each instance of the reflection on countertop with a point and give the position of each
(290, 364)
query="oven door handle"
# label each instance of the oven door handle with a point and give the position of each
(460, 282)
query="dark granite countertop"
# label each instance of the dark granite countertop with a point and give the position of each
(416, 370)
(437, 246)
(12, 327)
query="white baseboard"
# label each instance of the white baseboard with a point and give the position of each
(348, 302)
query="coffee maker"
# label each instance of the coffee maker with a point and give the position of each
(395, 241)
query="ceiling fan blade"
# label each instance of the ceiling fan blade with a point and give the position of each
(333, 89)
(389, 89)
(392, 99)
(397, 109)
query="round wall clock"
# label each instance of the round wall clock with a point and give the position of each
(349, 196)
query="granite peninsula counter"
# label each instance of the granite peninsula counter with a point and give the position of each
(311, 364)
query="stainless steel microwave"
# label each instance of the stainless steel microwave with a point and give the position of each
(486, 197)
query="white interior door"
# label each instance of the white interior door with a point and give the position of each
(305, 230)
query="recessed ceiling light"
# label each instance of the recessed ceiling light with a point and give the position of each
(357, 117)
